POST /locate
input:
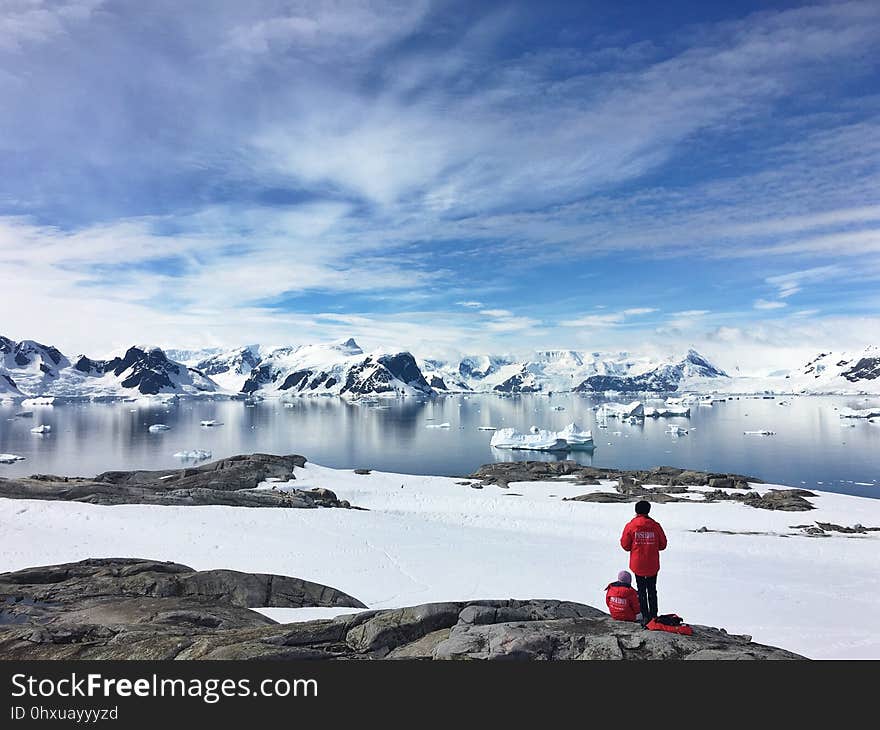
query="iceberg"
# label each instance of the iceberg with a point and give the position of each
(571, 438)
(677, 431)
(437, 425)
(210, 423)
(10, 458)
(193, 455)
(860, 413)
(158, 427)
(621, 410)
(42, 428)
(668, 410)
(762, 432)
(486, 428)
(576, 437)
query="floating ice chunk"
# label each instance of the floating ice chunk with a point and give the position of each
(10, 458)
(762, 432)
(158, 427)
(42, 428)
(193, 455)
(677, 431)
(668, 410)
(558, 408)
(437, 425)
(486, 428)
(210, 423)
(40, 401)
(576, 437)
(571, 438)
(860, 413)
(621, 410)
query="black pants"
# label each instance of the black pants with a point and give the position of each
(647, 585)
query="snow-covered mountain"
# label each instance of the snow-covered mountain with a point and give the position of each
(146, 370)
(342, 368)
(35, 369)
(230, 369)
(31, 365)
(339, 368)
(662, 378)
(566, 370)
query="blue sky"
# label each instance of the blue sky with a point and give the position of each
(443, 176)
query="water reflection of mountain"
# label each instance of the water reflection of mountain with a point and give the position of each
(810, 448)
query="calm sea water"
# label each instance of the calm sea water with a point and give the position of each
(811, 448)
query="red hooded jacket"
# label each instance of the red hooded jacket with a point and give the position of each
(643, 539)
(622, 601)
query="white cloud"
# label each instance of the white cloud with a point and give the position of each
(497, 313)
(765, 304)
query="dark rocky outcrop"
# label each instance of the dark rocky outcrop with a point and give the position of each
(521, 382)
(142, 609)
(381, 375)
(867, 368)
(232, 481)
(530, 471)
(631, 483)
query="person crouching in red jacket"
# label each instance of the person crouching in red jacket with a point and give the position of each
(621, 598)
(643, 539)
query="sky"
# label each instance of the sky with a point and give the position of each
(442, 176)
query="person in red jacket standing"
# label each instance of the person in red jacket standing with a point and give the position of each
(643, 539)
(621, 599)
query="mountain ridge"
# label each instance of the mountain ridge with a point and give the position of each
(342, 368)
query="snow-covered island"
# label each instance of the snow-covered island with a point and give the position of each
(736, 558)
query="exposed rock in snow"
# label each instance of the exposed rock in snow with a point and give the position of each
(31, 402)
(521, 381)
(571, 438)
(8, 388)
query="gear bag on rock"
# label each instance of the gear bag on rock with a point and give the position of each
(669, 622)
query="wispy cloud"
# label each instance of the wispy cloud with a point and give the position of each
(768, 304)
(446, 169)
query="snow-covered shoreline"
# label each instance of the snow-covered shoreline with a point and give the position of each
(428, 539)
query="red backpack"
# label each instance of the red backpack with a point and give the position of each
(669, 622)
